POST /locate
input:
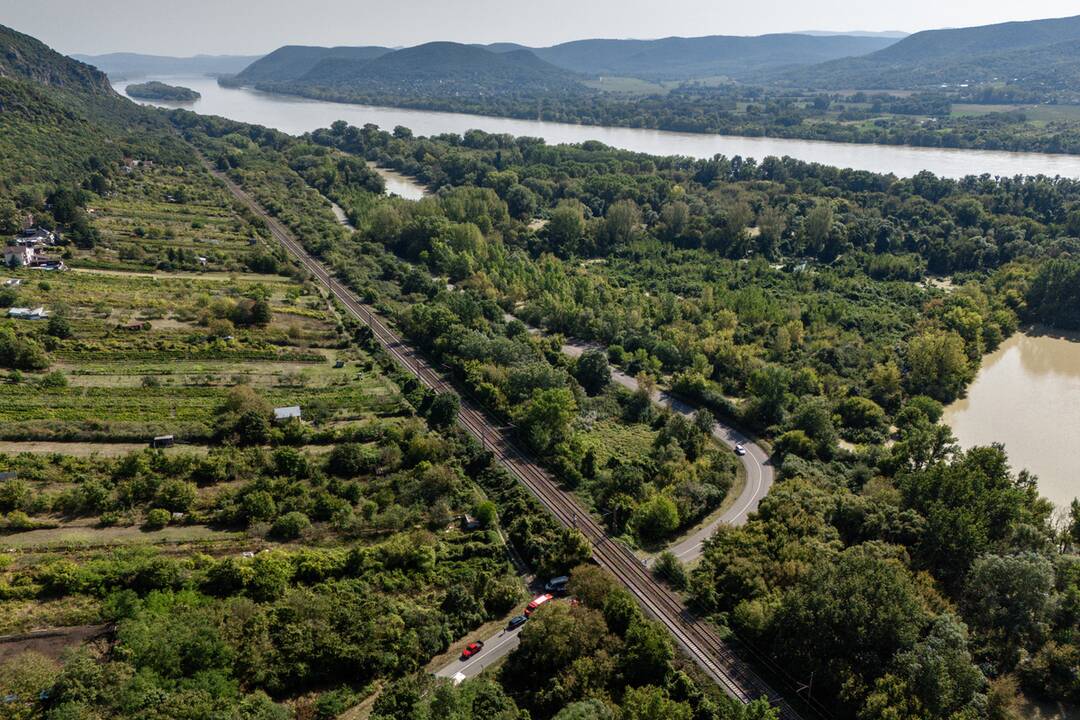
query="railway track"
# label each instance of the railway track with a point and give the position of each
(697, 639)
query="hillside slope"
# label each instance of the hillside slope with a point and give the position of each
(26, 58)
(293, 61)
(677, 58)
(1038, 53)
(673, 58)
(62, 121)
(443, 68)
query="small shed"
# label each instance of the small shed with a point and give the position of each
(24, 313)
(163, 441)
(284, 414)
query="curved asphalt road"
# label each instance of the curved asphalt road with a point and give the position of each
(759, 470)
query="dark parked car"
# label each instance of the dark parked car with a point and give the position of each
(516, 622)
(557, 585)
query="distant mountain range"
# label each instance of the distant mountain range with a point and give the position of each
(129, 65)
(672, 58)
(893, 34)
(438, 69)
(1033, 54)
(678, 58)
(1040, 55)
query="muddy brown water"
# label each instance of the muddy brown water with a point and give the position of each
(1027, 397)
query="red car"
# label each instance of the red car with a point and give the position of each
(471, 649)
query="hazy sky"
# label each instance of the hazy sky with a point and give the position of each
(187, 27)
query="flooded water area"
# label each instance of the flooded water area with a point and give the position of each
(1027, 396)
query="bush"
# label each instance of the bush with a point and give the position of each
(351, 459)
(486, 514)
(59, 327)
(444, 409)
(656, 518)
(156, 519)
(53, 380)
(669, 569)
(18, 520)
(290, 525)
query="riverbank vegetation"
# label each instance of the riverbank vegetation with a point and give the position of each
(922, 119)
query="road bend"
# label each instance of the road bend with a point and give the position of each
(694, 636)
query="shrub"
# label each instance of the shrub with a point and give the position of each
(53, 380)
(351, 459)
(669, 569)
(290, 525)
(156, 519)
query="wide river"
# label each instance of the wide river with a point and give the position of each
(1027, 396)
(1027, 393)
(299, 115)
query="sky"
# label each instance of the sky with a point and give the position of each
(251, 27)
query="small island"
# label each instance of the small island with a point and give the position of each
(155, 90)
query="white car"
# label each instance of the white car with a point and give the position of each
(739, 449)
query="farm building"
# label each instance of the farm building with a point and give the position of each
(284, 414)
(23, 313)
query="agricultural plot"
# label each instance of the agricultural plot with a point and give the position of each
(174, 219)
(134, 356)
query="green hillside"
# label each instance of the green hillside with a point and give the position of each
(62, 121)
(677, 58)
(1035, 54)
(673, 58)
(293, 61)
(444, 68)
(24, 57)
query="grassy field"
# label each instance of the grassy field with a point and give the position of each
(1037, 113)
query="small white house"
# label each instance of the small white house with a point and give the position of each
(19, 255)
(23, 313)
(283, 414)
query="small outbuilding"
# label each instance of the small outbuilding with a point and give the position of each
(284, 414)
(163, 441)
(25, 313)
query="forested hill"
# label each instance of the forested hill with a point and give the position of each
(678, 58)
(673, 58)
(293, 61)
(23, 57)
(445, 68)
(1038, 53)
